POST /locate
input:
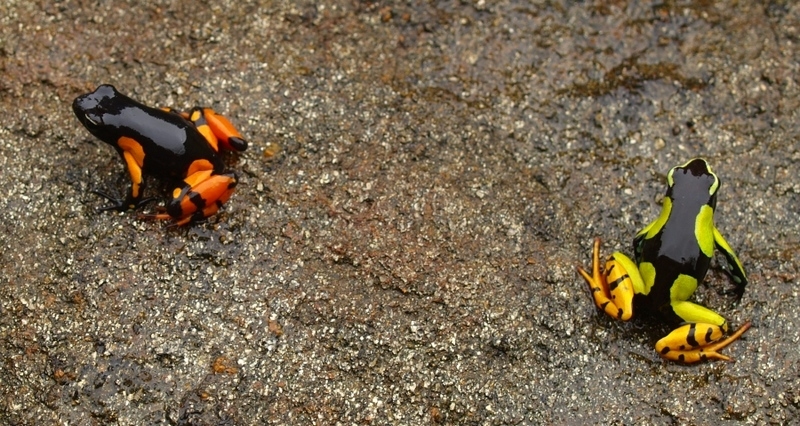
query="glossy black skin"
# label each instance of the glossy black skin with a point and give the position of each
(170, 142)
(675, 250)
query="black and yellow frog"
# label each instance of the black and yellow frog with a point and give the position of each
(183, 147)
(672, 256)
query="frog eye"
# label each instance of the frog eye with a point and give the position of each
(92, 119)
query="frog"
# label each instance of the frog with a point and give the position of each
(182, 147)
(672, 256)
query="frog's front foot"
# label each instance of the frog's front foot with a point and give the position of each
(695, 342)
(119, 204)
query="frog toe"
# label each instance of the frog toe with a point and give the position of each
(120, 204)
(238, 144)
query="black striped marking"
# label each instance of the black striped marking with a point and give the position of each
(614, 284)
(690, 339)
(197, 199)
(708, 335)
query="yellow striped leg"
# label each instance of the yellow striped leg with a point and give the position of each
(612, 289)
(697, 342)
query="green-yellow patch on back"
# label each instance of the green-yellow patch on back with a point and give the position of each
(648, 272)
(704, 230)
(683, 287)
(655, 226)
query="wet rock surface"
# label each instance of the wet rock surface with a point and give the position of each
(422, 180)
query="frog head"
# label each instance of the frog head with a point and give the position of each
(95, 109)
(694, 183)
